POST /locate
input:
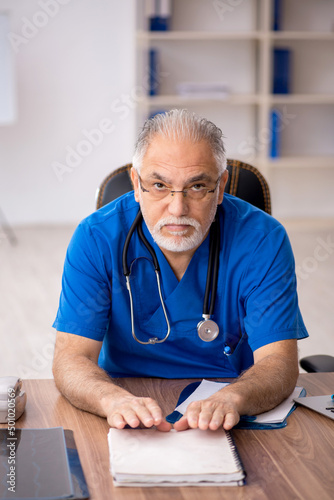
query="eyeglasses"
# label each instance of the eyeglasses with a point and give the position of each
(157, 190)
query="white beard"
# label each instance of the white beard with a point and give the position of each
(176, 242)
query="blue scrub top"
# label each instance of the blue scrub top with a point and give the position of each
(256, 301)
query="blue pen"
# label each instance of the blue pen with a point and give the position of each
(332, 396)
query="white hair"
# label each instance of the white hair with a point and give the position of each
(180, 124)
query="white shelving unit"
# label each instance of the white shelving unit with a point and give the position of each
(209, 43)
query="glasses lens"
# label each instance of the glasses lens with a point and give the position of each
(156, 191)
(197, 194)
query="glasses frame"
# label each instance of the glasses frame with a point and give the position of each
(183, 191)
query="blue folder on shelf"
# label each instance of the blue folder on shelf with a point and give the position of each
(275, 127)
(153, 57)
(159, 14)
(282, 71)
(277, 11)
(273, 419)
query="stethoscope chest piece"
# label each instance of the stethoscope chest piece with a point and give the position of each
(207, 330)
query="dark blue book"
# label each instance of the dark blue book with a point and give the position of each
(159, 23)
(281, 71)
(275, 134)
(153, 75)
(277, 15)
(160, 15)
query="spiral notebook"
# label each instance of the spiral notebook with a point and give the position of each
(148, 457)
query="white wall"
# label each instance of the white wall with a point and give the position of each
(75, 71)
(74, 66)
(7, 84)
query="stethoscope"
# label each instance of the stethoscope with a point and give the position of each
(207, 329)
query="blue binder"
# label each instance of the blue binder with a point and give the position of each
(277, 15)
(160, 15)
(246, 421)
(281, 71)
(153, 72)
(275, 134)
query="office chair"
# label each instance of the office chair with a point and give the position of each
(244, 181)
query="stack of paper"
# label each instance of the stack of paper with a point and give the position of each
(148, 457)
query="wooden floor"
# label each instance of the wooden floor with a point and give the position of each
(30, 282)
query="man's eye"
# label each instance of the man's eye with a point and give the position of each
(198, 187)
(159, 186)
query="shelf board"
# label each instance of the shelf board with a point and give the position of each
(302, 35)
(302, 162)
(301, 98)
(235, 35)
(197, 35)
(176, 99)
(168, 100)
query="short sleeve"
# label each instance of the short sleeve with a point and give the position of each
(84, 305)
(270, 294)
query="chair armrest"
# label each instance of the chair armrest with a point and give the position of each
(318, 363)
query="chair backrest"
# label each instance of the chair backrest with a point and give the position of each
(245, 182)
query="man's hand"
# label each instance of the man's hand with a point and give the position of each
(135, 411)
(88, 387)
(211, 413)
(263, 386)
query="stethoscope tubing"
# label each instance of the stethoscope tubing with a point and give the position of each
(211, 281)
(213, 266)
(127, 271)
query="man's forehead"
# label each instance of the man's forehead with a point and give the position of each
(158, 140)
(163, 176)
(179, 153)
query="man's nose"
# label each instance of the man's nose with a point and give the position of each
(178, 204)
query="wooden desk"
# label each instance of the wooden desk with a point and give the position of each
(296, 462)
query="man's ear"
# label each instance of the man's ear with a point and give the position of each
(135, 182)
(222, 185)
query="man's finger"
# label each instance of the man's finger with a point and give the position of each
(154, 410)
(147, 412)
(231, 419)
(131, 418)
(164, 426)
(205, 418)
(217, 419)
(117, 421)
(192, 414)
(182, 424)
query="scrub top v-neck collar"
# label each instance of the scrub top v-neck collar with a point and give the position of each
(170, 283)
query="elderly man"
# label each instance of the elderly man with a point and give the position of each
(138, 299)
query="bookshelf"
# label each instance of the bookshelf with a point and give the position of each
(233, 42)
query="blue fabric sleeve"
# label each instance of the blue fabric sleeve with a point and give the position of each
(84, 305)
(270, 300)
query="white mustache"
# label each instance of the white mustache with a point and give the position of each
(186, 221)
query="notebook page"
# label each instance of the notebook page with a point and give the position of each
(149, 452)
